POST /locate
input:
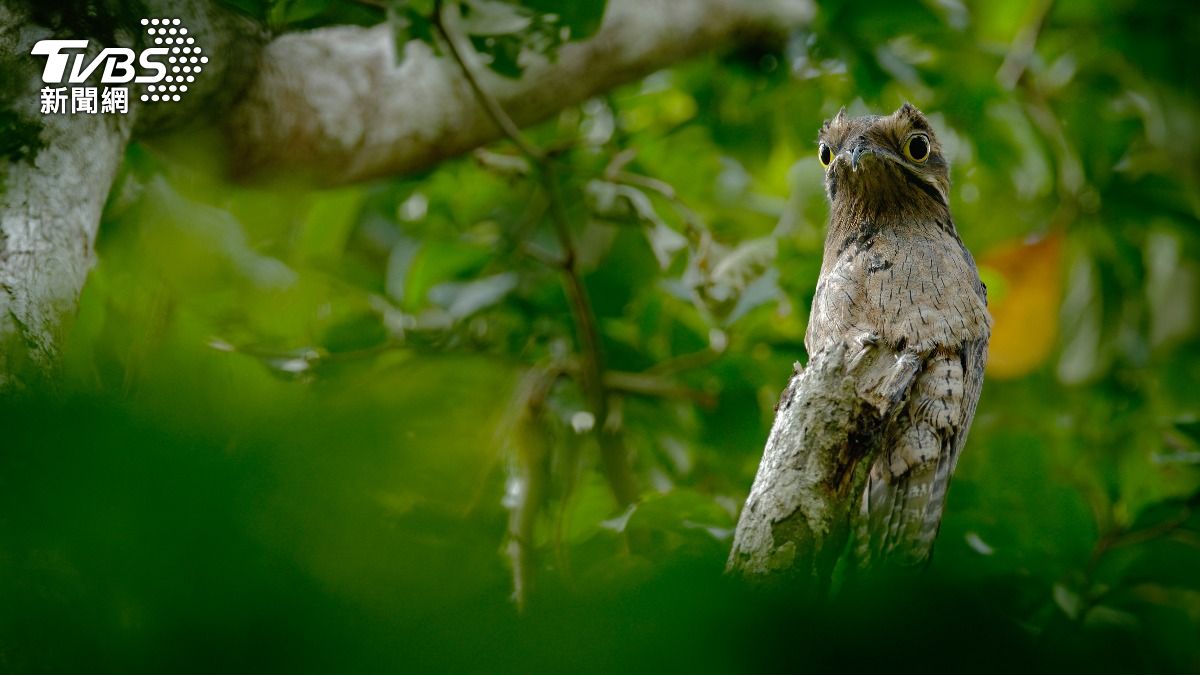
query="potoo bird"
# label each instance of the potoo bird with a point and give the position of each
(896, 277)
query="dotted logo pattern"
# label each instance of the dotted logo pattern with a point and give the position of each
(185, 59)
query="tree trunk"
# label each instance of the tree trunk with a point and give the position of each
(57, 172)
(52, 190)
(826, 435)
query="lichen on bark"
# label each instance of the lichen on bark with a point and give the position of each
(827, 432)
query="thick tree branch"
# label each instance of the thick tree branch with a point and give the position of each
(334, 105)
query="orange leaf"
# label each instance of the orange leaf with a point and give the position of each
(1025, 311)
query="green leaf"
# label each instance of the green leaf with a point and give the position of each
(357, 332)
(424, 8)
(761, 291)
(327, 226)
(581, 17)
(502, 53)
(409, 24)
(462, 299)
(589, 506)
(1167, 561)
(399, 262)
(259, 9)
(288, 12)
(1068, 601)
(1190, 427)
(681, 510)
(438, 262)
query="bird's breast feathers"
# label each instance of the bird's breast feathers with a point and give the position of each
(914, 293)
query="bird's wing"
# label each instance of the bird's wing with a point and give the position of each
(902, 503)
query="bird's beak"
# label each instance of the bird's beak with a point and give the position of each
(857, 152)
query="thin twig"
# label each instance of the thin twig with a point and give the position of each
(667, 191)
(446, 20)
(648, 384)
(683, 362)
(612, 448)
(1119, 537)
(1018, 57)
(542, 255)
(615, 173)
(527, 488)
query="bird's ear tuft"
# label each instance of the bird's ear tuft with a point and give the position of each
(909, 112)
(837, 119)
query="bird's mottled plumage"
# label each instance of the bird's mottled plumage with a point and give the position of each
(897, 277)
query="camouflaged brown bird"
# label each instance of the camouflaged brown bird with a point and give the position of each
(896, 277)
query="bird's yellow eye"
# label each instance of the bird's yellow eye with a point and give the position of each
(916, 148)
(825, 155)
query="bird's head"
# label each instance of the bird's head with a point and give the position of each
(884, 163)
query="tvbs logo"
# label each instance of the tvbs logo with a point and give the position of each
(166, 70)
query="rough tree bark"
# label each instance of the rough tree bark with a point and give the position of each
(330, 104)
(827, 432)
(52, 195)
(49, 213)
(357, 115)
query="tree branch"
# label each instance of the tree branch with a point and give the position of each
(333, 104)
(826, 435)
(527, 478)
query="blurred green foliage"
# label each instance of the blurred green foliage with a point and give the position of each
(294, 417)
